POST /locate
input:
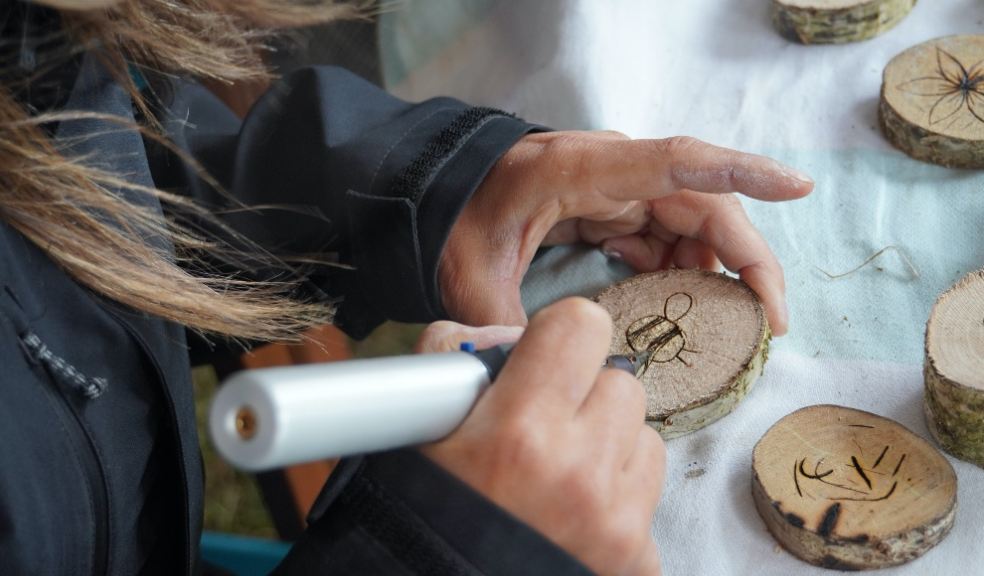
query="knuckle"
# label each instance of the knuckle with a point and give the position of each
(720, 229)
(441, 328)
(655, 447)
(632, 390)
(769, 267)
(582, 490)
(730, 203)
(563, 146)
(626, 388)
(515, 430)
(438, 336)
(613, 134)
(637, 407)
(519, 443)
(725, 212)
(628, 534)
(678, 145)
(575, 154)
(581, 312)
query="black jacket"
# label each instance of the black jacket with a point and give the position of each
(100, 471)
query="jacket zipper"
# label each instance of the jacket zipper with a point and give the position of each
(175, 436)
(85, 451)
(92, 467)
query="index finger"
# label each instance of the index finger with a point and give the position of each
(628, 170)
(554, 366)
(721, 223)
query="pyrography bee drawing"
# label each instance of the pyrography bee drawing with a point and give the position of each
(660, 335)
(954, 87)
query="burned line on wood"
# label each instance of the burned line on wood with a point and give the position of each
(654, 333)
(882, 455)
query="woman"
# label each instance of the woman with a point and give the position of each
(134, 206)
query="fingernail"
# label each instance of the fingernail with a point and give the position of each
(611, 253)
(797, 175)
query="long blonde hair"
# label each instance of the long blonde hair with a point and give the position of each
(72, 209)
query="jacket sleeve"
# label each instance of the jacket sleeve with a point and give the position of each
(330, 164)
(335, 167)
(399, 513)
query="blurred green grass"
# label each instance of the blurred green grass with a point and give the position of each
(233, 503)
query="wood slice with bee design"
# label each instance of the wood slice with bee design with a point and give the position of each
(932, 101)
(706, 336)
(954, 369)
(837, 21)
(850, 490)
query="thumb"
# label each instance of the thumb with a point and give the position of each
(446, 336)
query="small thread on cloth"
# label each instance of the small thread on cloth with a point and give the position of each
(872, 258)
(61, 370)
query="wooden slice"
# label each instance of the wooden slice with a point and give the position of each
(954, 369)
(837, 21)
(932, 101)
(847, 489)
(709, 340)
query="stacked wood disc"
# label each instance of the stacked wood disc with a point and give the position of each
(954, 369)
(846, 489)
(932, 101)
(707, 336)
(837, 21)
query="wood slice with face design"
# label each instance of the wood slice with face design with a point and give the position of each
(848, 489)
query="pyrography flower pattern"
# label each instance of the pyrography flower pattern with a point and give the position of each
(954, 89)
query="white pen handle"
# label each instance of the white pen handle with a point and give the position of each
(274, 417)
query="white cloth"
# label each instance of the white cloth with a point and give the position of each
(716, 69)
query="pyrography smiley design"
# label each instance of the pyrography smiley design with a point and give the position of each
(858, 479)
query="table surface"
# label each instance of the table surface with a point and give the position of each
(716, 70)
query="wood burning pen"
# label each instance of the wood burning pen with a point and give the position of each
(274, 417)
(495, 357)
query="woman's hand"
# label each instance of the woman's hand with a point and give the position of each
(653, 203)
(561, 443)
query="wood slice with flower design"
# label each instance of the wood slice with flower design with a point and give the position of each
(837, 21)
(932, 101)
(847, 489)
(707, 340)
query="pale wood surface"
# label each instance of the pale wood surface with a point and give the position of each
(709, 335)
(837, 21)
(954, 369)
(932, 101)
(955, 333)
(848, 489)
